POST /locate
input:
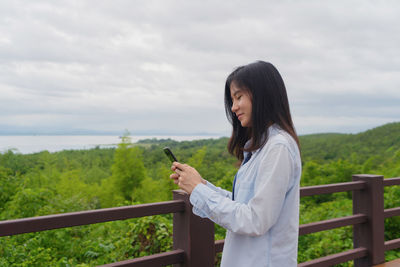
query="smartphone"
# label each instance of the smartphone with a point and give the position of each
(169, 154)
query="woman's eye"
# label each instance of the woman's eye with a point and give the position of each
(239, 97)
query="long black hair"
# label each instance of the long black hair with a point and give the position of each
(269, 105)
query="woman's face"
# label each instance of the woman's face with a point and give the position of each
(241, 104)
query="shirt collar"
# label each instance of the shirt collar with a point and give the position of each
(273, 127)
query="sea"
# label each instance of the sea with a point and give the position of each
(27, 144)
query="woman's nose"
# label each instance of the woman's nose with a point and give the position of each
(234, 107)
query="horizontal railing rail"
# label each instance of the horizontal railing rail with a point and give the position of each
(392, 244)
(387, 213)
(161, 259)
(314, 227)
(391, 181)
(219, 245)
(331, 188)
(337, 258)
(193, 237)
(49, 222)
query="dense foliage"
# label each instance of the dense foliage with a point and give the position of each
(49, 183)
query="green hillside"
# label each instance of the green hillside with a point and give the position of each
(376, 151)
(383, 140)
(72, 180)
(333, 158)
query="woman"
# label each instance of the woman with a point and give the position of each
(261, 214)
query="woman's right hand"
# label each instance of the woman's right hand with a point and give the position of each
(186, 177)
(174, 177)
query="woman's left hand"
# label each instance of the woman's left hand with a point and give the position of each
(186, 177)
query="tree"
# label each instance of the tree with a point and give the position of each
(128, 170)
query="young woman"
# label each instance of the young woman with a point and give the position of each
(261, 214)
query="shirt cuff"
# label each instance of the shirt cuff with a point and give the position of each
(210, 185)
(199, 195)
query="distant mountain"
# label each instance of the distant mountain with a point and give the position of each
(332, 146)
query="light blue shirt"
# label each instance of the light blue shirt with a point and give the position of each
(263, 221)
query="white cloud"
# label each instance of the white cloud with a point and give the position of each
(140, 65)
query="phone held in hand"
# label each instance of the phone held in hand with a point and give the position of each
(169, 154)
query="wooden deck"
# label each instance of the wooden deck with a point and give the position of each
(395, 263)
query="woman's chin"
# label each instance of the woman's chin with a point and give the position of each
(244, 125)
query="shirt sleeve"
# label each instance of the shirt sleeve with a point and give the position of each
(221, 191)
(262, 211)
(209, 189)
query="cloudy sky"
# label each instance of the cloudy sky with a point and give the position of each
(160, 66)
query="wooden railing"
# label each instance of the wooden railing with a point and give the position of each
(368, 217)
(193, 237)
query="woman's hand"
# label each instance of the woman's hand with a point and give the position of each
(186, 177)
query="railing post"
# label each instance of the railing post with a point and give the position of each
(194, 235)
(370, 234)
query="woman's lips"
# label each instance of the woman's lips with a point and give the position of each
(240, 115)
